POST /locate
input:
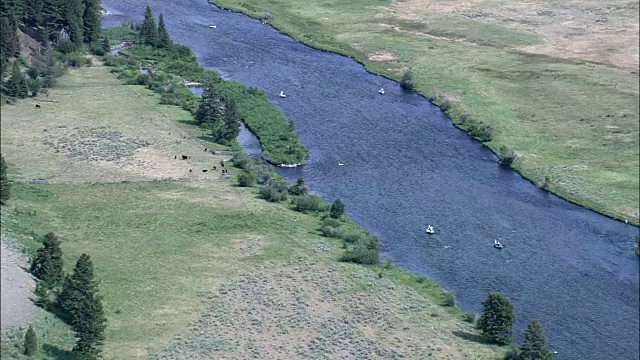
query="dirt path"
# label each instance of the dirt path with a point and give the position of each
(16, 307)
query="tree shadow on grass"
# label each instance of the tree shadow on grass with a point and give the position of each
(58, 353)
(472, 337)
(188, 122)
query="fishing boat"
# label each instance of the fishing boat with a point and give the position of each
(497, 244)
(282, 95)
(430, 229)
(381, 91)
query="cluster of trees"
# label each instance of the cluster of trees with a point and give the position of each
(67, 24)
(158, 37)
(497, 322)
(5, 187)
(75, 296)
(219, 113)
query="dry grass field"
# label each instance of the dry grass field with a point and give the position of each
(191, 266)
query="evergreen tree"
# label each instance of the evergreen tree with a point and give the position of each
(337, 209)
(535, 345)
(91, 20)
(230, 122)
(148, 30)
(210, 110)
(47, 265)
(79, 298)
(9, 43)
(105, 45)
(33, 10)
(72, 19)
(30, 342)
(164, 41)
(42, 294)
(17, 84)
(5, 187)
(497, 319)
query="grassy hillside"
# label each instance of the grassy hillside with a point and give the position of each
(557, 82)
(191, 265)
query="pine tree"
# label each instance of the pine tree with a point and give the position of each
(210, 110)
(5, 187)
(72, 19)
(164, 41)
(47, 265)
(30, 342)
(408, 82)
(91, 20)
(9, 43)
(17, 84)
(337, 209)
(497, 319)
(535, 345)
(230, 122)
(33, 10)
(79, 298)
(41, 292)
(105, 45)
(148, 30)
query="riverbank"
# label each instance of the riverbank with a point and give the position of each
(189, 262)
(170, 72)
(539, 105)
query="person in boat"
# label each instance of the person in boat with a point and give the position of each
(430, 229)
(381, 91)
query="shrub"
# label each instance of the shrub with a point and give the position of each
(365, 251)
(246, 179)
(482, 132)
(449, 299)
(513, 353)
(445, 104)
(470, 317)
(263, 174)
(408, 82)
(242, 160)
(337, 209)
(299, 188)
(333, 232)
(535, 345)
(265, 16)
(463, 117)
(506, 156)
(352, 238)
(5, 187)
(331, 222)
(433, 96)
(274, 191)
(309, 203)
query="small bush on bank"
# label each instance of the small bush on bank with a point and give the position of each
(481, 132)
(445, 104)
(309, 203)
(408, 81)
(506, 156)
(463, 117)
(265, 16)
(333, 232)
(246, 179)
(470, 317)
(274, 191)
(331, 222)
(365, 251)
(352, 238)
(263, 174)
(337, 209)
(449, 299)
(242, 160)
(299, 188)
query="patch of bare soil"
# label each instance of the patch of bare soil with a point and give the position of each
(598, 31)
(383, 56)
(311, 311)
(17, 286)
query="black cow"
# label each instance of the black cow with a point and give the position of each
(184, 157)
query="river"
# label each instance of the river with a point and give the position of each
(406, 165)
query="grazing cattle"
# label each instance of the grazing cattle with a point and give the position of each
(38, 106)
(175, 156)
(190, 170)
(204, 170)
(184, 157)
(205, 149)
(214, 167)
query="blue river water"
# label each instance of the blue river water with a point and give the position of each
(406, 166)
